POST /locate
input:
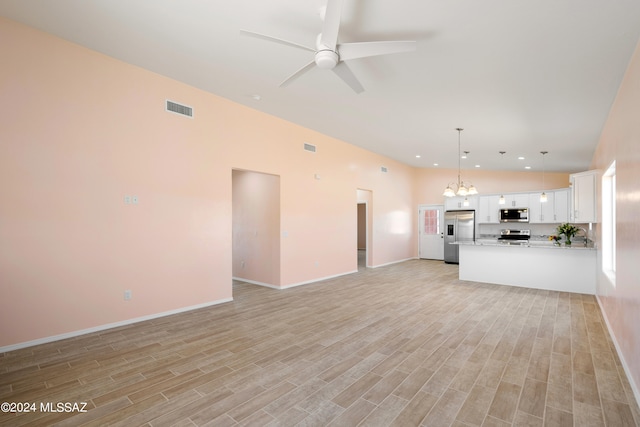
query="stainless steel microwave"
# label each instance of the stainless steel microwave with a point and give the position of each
(514, 215)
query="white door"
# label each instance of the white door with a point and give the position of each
(431, 242)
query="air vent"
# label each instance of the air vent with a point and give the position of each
(309, 147)
(183, 110)
(384, 169)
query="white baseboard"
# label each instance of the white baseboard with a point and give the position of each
(320, 279)
(293, 285)
(393, 262)
(73, 334)
(255, 282)
(634, 387)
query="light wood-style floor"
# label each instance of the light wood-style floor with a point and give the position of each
(404, 345)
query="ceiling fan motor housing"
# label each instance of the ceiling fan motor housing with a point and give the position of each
(326, 59)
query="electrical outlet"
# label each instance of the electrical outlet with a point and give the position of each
(134, 200)
(127, 200)
(127, 295)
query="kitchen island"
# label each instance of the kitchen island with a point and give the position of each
(538, 265)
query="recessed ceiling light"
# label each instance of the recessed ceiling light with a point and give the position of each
(527, 167)
(477, 166)
(256, 97)
(520, 158)
(435, 164)
(418, 156)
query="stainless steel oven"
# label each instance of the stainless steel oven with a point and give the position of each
(514, 237)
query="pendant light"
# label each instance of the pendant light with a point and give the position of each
(501, 200)
(461, 187)
(543, 196)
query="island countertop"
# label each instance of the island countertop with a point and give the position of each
(530, 244)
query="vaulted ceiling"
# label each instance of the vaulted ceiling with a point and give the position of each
(518, 76)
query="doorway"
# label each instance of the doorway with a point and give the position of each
(431, 232)
(256, 227)
(364, 224)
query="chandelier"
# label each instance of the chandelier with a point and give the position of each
(461, 189)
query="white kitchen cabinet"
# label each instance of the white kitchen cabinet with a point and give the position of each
(488, 209)
(457, 203)
(583, 197)
(516, 200)
(561, 205)
(541, 212)
(554, 210)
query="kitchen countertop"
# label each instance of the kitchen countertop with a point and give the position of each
(531, 244)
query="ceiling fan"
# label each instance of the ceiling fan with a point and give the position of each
(329, 54)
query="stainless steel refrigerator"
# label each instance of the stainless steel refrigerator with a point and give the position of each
(459, 226)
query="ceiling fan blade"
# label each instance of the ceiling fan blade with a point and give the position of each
(276, 40)
(331, 25)
(349, 51)
(298, 73)
(344, 72)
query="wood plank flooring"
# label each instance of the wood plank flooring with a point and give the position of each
(401, 345)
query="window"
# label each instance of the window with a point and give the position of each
(609, 223)
(432, 221)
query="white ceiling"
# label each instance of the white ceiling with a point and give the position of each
(518, 76)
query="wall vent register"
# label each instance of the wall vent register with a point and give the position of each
(183, 110)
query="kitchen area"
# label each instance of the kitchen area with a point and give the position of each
(526, 239)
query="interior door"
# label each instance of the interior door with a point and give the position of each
(431, 241)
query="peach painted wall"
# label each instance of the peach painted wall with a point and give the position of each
(79, 131)
(256, 227)
(432, 182)
(620, 142)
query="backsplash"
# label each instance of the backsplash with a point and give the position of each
(538, 231)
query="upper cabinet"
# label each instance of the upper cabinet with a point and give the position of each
(488, 209)
(458, 202)
(583, 197)
(561, 205)
(516, 200)
(554, 210)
